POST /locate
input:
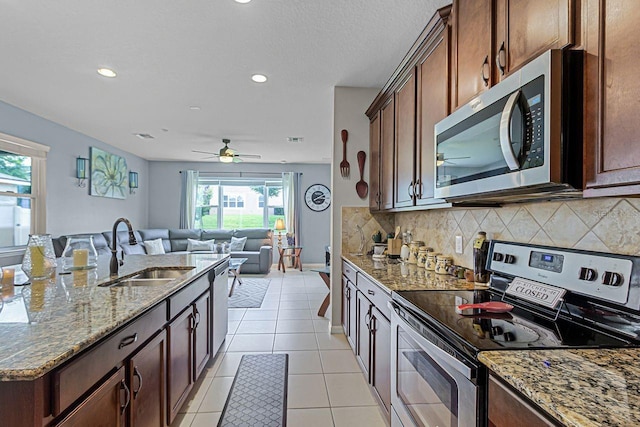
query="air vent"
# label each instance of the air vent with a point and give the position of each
(144, 136)
(295, 139)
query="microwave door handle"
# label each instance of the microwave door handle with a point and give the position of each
(505, 132)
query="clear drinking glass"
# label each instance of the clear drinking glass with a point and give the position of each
(39, 260)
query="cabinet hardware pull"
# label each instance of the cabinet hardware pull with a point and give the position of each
(367, 322)
(128, 340)
(501, 59)
(127, 396)
(197, 318)
(372, 328)
(409, 189)
(370, 292)
(485, 64)
(136, 373)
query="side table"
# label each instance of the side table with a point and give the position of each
(292, 252)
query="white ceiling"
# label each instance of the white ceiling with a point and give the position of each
(170, 55)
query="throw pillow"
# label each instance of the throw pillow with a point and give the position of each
(153, 247)
(237, 244)
(201, 245)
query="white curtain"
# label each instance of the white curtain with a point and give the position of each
(291, 192)
(188, 198)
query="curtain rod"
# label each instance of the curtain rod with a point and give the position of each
(240, 174)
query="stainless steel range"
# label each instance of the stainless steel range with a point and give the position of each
(561, 298)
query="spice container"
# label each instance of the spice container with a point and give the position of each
(414, 248)
(430, 263)
(422, 256)
(443, 262)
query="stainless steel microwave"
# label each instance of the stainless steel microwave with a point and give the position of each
(519, 140)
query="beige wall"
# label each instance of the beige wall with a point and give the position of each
(606, 224)
(349, 106)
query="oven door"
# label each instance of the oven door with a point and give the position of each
(429, 386)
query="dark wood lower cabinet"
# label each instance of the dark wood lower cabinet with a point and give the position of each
(349, 312)
(201, 333)
(363, 342)
(147, 379)
(180, 366)
(105, 407)
(380, 376)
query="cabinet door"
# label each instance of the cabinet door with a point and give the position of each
(201, 333)
(612, 130)
(525, 29)
(472, 49)
(404, 153)
(180, 361)
(433, 106)
(349, 309)
(147, 369)
(386, 155)
(105, 407)
(374, 163)
(507, 408)
(363, 343)
(381, 357)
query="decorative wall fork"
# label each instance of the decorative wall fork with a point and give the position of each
(344, 164)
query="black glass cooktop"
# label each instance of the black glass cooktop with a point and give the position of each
(481, 331)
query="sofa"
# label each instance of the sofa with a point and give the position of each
(258, 248)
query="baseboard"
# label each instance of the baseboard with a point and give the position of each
(336, 329)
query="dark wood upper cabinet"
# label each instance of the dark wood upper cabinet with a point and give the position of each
(612, 130)
(433, 106)
(374, 163)
(524, 29)
(387, 143)
(404, 153)
(472, 56)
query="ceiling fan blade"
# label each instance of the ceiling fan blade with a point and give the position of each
(237, 159)
(248, 156)
(203, 152)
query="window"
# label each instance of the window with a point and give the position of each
(22, 190)
(243, 202)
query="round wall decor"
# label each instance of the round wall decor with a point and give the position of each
(317, 197)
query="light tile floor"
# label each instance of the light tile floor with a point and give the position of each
(326, 385)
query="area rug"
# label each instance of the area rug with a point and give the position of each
(250, 294)
(258, 395)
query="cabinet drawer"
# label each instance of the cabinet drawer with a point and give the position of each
(349, 271)
(73, 380)
(378, 296)
(184, 297)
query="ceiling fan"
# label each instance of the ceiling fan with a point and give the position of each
(227, 155)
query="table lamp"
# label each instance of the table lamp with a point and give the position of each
(280, 227)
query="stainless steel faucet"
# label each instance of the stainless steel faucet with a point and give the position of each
(115, 263)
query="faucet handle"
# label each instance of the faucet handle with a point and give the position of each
(121, 261)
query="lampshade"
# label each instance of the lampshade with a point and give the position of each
(82, 165)
(280, 224)
(226, 159)
(133, 179)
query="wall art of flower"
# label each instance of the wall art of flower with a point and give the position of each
(109, 174)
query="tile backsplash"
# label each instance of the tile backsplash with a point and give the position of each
(604, 224)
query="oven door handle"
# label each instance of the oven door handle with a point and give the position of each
(505, 132)
(434, 351)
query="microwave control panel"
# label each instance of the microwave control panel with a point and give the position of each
(533, 118)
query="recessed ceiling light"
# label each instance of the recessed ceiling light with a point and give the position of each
(194, 108)
(144, 136)
(107, 72)
(243, 1)
(259, 78)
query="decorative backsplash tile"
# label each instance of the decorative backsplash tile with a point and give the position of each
(607, 225)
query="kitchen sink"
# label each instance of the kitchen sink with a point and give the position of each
(141, 282)
(162, 273)
(154, 276)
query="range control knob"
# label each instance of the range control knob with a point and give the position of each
(612, 279)
(588, 274)
(497, 256)
(509, 259)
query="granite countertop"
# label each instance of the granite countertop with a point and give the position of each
(576, 387)
(47, 323)
(407, 277)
